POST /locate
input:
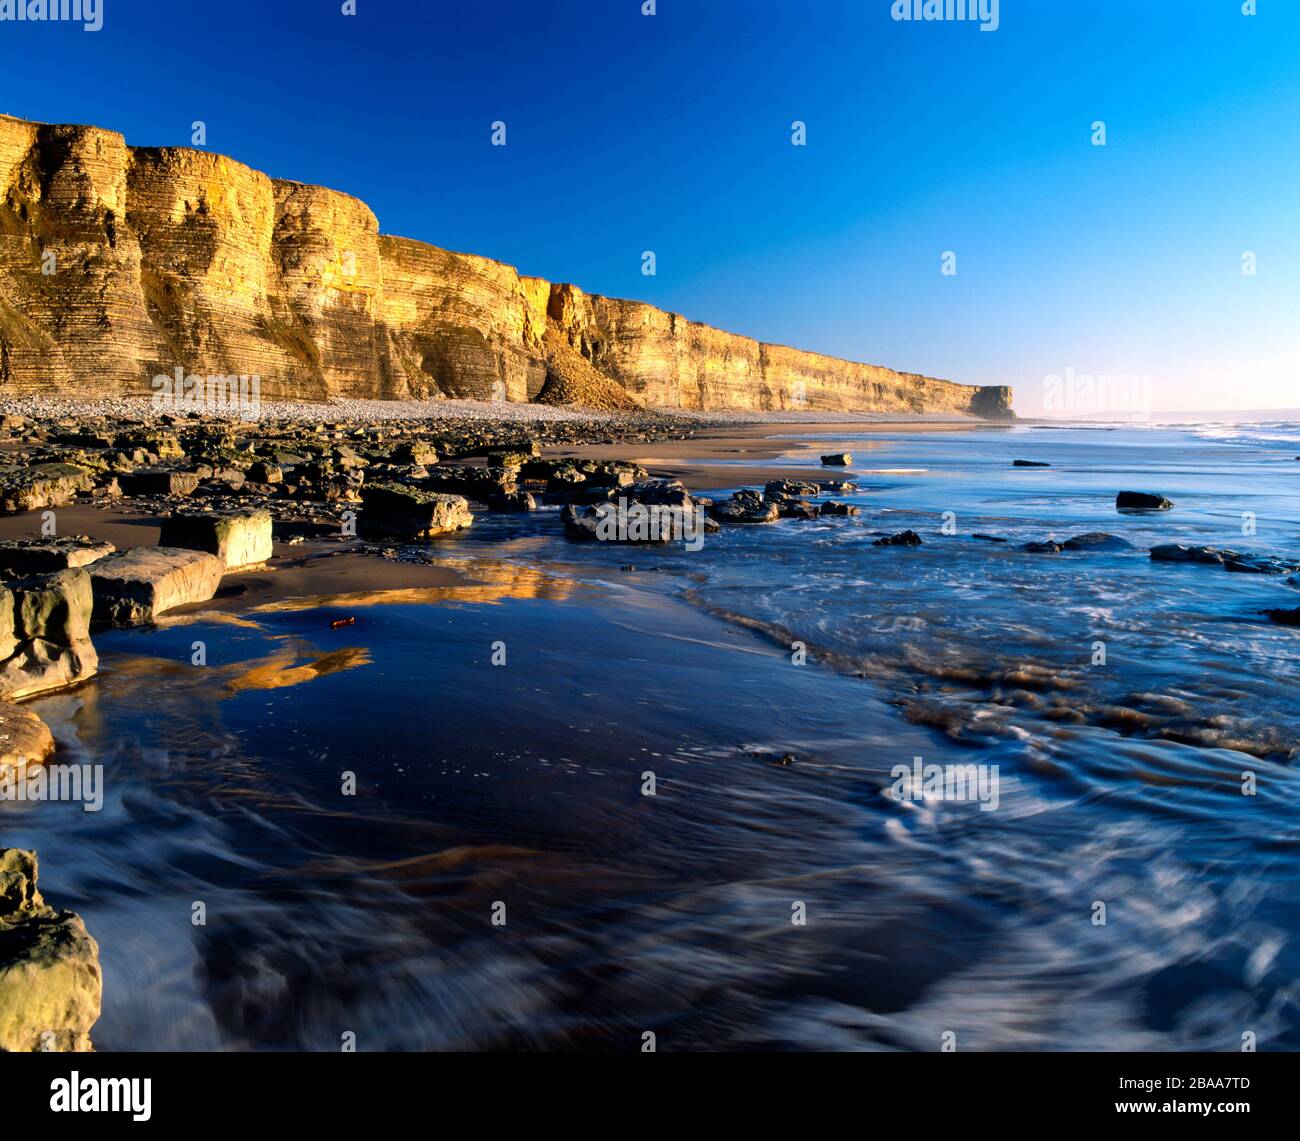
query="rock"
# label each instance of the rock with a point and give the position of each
(1178, 553)
(416, 453)
(45, 633)
(745, 508)
(988, 538)
(839, 459)
(838, 486)
(240, 539)
(1284, 617)
(1097, 541)
(160, 481)
(792, 489)
(1258, 564)
(42, 485)
(661, 492)
(479, 483)
(835, 507)
(392, 509)
(1029, 463)
(263, 472)
(137, 586)
(50, 981)
(902, 539)
(1048, 547)
(517, 501)
(22, 557)
(24, 739)
(1141, 501)
(797, 509)
(581, 525)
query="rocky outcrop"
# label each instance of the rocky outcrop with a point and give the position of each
(410, 512)
(45, 633)
(50, 982)
(240, 539)
(121, 264)
(137, 586)
(22, 557)
(24, 739)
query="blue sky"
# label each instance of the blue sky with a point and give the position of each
(672, 133)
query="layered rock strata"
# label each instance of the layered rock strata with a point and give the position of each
(119, 265)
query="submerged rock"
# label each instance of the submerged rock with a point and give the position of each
(1097, 541)
(988, 538)
(1258, 564)
(791, 489)
(240, 539)
(1285, 617)
(137, 586)
(1142, 501)
(791, 508)
(1047, 547)
(1178, 553)
(902, 539)
(746, 507)
(50, 981)
(1029, 463)
(835, 507)
(1236, 561)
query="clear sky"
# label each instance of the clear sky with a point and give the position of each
(672, 133)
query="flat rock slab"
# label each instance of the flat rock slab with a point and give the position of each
(50, 982)
(136, 586)
(22, 557)
(240, 539)
(43, 485)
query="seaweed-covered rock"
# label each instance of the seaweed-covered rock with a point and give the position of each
(410, 512)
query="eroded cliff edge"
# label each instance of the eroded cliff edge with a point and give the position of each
(120, 263)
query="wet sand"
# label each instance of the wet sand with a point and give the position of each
(716, 457)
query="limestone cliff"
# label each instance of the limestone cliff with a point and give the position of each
(118, 264)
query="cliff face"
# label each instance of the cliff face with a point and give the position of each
(118, 264)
